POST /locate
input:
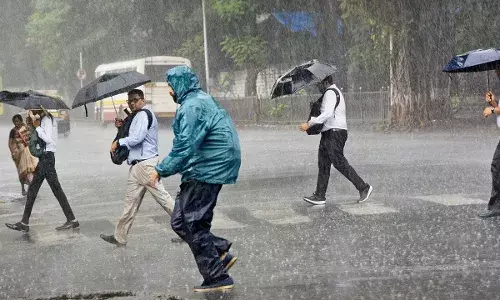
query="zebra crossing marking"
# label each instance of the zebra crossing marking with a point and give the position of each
(10, 197)
(275, 213)
(222, 221)
(280, 216)
(451, 199)
(368, 208)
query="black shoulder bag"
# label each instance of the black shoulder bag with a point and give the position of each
(316, 111)
(121, 153)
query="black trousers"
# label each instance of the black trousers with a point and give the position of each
(46, 170)
(494, 203)
(192, 220)
(331, 152)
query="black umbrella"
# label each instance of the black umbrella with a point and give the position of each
(301, 76)
(475, 61)
(108, 85)
(32, 100)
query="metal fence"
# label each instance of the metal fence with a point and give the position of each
(369, 107)
(362, 107)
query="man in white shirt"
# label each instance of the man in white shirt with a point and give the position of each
(47, 131)
(142, 142)
(331, 146)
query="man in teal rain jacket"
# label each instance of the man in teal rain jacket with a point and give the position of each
(206, 152)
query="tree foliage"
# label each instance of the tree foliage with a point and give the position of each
(43, 41)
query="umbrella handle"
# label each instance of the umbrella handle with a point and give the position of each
(44, 110)
(116, 111)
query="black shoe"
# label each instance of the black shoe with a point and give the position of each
(315, 200)
(111, 239)
(219, 286)
(489, 213)
(365, 193)
(69, 225)
(19, 226)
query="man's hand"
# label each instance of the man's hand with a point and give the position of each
(118, 123)
(114, 146)
(487, 111)
(490, 97)
(154, 179)
(304, 127)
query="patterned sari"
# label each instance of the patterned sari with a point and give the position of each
(25, 162)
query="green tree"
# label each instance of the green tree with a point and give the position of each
(61, 29)
(241, 41)
(18, 63)
(420, 48)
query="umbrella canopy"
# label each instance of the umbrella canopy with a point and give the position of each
(109, 85)
(32, 100)
(301, 76)
(474, 61)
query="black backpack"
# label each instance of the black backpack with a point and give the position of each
(121, 153)
(36, 145)
(316, 111)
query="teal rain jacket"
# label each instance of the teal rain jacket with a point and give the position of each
(206, 146)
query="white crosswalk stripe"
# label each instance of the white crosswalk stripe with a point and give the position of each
(222, 221)
(451, 199)
(6, 197)
(367, 208)
(280, 216)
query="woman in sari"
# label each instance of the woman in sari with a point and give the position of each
(18, 144)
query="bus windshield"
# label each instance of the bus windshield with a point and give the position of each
(157, 72)
(116, 71)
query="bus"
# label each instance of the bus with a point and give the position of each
(158, 100)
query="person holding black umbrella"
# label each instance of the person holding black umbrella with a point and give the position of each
(480, 61)
(493, 209)
(44, 124)
(332, 120)
(142, 143)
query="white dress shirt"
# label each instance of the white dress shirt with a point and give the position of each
(47, 131)
(328, 118)
(141, 141)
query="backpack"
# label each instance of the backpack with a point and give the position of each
(316, 111)
(36, 145)
(121, 153)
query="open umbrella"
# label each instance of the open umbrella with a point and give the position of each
(475, 61)
(108, 85)
(301, 76)
(32, 100)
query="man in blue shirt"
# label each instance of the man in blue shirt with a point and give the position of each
(142, 143)
(206, 152)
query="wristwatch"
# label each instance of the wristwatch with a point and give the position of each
(493, 110)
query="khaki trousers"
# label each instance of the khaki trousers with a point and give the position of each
(137, 185)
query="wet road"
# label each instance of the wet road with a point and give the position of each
(418, 237)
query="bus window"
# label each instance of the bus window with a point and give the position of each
(122, 70)
(157, 72)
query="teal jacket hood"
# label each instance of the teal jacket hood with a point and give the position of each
(183, 81)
